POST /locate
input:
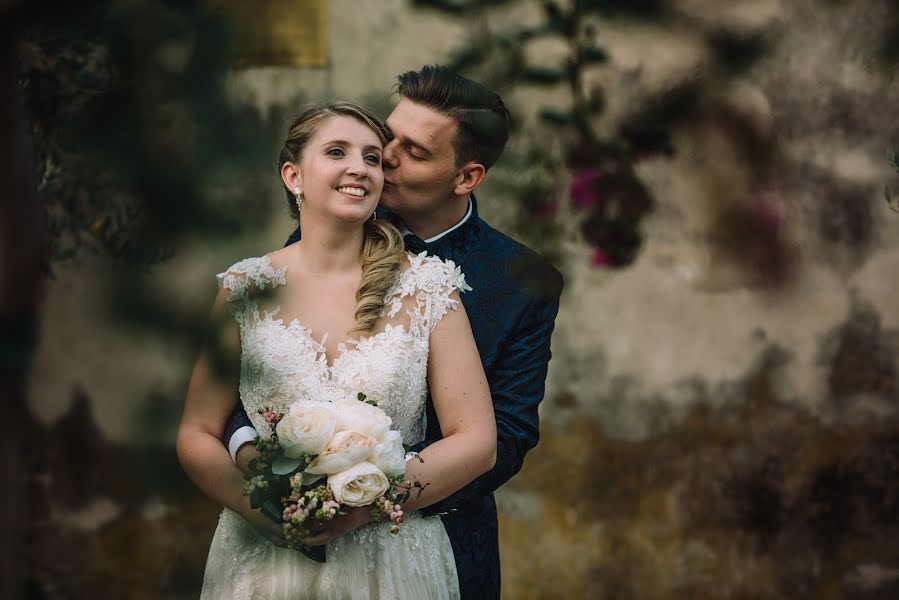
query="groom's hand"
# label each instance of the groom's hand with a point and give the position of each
(244, 455)
(340, 526)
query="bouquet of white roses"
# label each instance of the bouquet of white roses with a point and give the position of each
(322, 456)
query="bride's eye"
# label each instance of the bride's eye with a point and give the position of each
(373, 159)
(335, 152)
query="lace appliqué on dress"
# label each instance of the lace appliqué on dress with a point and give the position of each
(430, 281)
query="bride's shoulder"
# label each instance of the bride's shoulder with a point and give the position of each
(432, 274)
(249, 274)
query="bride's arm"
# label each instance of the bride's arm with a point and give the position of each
(461, 399)
(211, 394)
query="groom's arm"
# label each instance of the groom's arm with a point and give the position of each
(238, 431)
(517, 383)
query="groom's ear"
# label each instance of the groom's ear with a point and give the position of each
(468, 178)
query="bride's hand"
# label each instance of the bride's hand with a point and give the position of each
(340, 526)
(267, 528)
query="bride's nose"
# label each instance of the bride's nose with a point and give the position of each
(356, 167)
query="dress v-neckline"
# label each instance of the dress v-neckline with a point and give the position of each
(344, 348)
(321, 352)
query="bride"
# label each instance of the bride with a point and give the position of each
(343, 311)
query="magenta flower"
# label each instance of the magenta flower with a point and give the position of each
(769, 211)
(583, 191)
(599, 258)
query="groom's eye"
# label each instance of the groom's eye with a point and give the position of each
(413, 152)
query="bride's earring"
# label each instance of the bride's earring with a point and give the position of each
(374, 215)
(299, 194)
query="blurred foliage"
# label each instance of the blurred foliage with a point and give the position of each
(892, 194)
(889, 39)
(599, 169)
(135, 147)
(136, 152)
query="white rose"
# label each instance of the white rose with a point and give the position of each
(344, 450)
(389, 455)
(306, 428)
(353, 415)
(359, 485)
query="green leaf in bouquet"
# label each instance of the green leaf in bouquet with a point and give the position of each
(271, 509)
(258, 497)
(363, 398)
(284, 465)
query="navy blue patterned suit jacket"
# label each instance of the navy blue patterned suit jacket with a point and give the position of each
(512, 309)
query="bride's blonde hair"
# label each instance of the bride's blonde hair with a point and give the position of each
(382, 248)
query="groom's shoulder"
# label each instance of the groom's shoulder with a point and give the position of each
(519, 265)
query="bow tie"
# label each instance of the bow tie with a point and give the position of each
(414, 244)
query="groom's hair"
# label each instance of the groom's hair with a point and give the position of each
(482, 118)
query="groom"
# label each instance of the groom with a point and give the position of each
(448, 131)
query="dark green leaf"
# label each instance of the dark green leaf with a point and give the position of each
(596, 103)
(594, 54)
(544, 75)
(556, 116)
(257, 498)
(556, 19)
(466, 58)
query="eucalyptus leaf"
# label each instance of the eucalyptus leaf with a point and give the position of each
(285, 466)
(310, 478)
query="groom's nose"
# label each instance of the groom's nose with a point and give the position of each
(389, 155)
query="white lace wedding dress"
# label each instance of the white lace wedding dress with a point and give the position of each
(282, 363)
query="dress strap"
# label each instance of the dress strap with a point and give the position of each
(430, 283)
(245, 279)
